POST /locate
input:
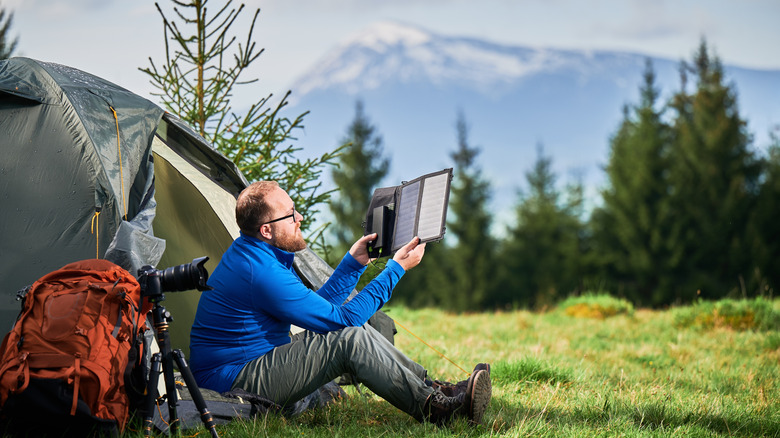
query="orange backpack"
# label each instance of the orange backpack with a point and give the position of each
(80, 326)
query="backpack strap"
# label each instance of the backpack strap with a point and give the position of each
(22, 376)
(75, 375)
(118, 324)
(126, 300)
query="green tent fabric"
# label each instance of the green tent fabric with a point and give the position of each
(62, 176)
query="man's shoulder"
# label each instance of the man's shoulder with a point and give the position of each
(255, 255)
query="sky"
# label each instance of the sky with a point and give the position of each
(114, 38)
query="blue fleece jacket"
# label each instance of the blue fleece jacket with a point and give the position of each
(257, 295)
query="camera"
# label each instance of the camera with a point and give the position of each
(176, 278)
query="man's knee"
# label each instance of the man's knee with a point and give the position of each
(350, 338)
(352, 334)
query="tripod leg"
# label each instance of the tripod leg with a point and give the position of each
(170, 390)
(197, 397)
(151, 393)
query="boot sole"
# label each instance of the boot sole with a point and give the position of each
(478, 394)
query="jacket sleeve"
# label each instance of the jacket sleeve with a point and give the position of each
(279, 292)
(342, 281)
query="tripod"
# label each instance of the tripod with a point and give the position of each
(162, 362)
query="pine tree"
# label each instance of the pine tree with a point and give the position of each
(469, 226)
(361, 167)
(632, 225)
(200, 75)
(540, 261)
(764, 235)
(714, 180)
(7, 45)
(457, 273)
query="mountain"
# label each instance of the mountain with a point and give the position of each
(413, 83)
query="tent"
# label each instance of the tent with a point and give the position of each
(91, 170)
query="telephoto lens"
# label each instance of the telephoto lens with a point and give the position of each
(185, 277)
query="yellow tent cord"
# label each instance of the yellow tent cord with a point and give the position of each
(119, 151)
(96, 231)
(429, 346)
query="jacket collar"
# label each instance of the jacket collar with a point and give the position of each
(284, 257)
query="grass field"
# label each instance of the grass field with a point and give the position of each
(588, 368)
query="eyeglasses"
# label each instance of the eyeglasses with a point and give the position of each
(294, 212)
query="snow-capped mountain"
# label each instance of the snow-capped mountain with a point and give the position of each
(414, 82)
(390, 52)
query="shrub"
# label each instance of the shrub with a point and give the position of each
(596, 305)
(753, 314)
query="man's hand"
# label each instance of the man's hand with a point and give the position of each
(359, 250)
(410, 255)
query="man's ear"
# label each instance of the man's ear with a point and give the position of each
(265, 231)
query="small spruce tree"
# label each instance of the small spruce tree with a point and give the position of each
(203, 67)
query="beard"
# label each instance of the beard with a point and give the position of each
(290, 242)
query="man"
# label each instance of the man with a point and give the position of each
(240, 337)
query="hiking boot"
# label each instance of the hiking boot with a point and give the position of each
(471, 402)
(440, 409)
(450, 389)
(453, 389)
(479, 390)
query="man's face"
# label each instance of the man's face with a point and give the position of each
(285, 233)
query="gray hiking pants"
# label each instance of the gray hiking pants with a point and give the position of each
(290, 372)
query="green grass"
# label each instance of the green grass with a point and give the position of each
(638, 373)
